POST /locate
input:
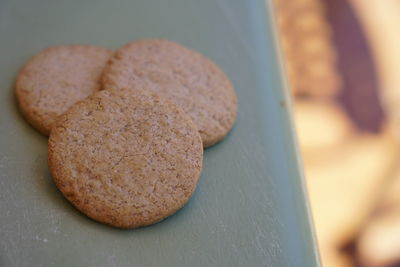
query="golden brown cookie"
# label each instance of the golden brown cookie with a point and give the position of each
(56, 78)
(125, 157)
(183, 76)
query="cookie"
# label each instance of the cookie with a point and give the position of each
(56, 78)
(181, 75)
(125, 157)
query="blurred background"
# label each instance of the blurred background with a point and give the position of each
(343, 62)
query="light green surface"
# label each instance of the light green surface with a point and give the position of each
(249, 208)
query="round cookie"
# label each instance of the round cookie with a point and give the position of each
(181, 75)
(56, 78)
(125, 157)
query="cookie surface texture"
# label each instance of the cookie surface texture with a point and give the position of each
(181, 75)
(56, 78)
(126, 158)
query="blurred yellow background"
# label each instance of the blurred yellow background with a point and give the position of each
(343, 63)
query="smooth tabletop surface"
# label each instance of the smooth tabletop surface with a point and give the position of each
(249, 208)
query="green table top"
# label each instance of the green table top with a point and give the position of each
(249, 208)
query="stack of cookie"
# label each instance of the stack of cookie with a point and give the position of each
(127, 129)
